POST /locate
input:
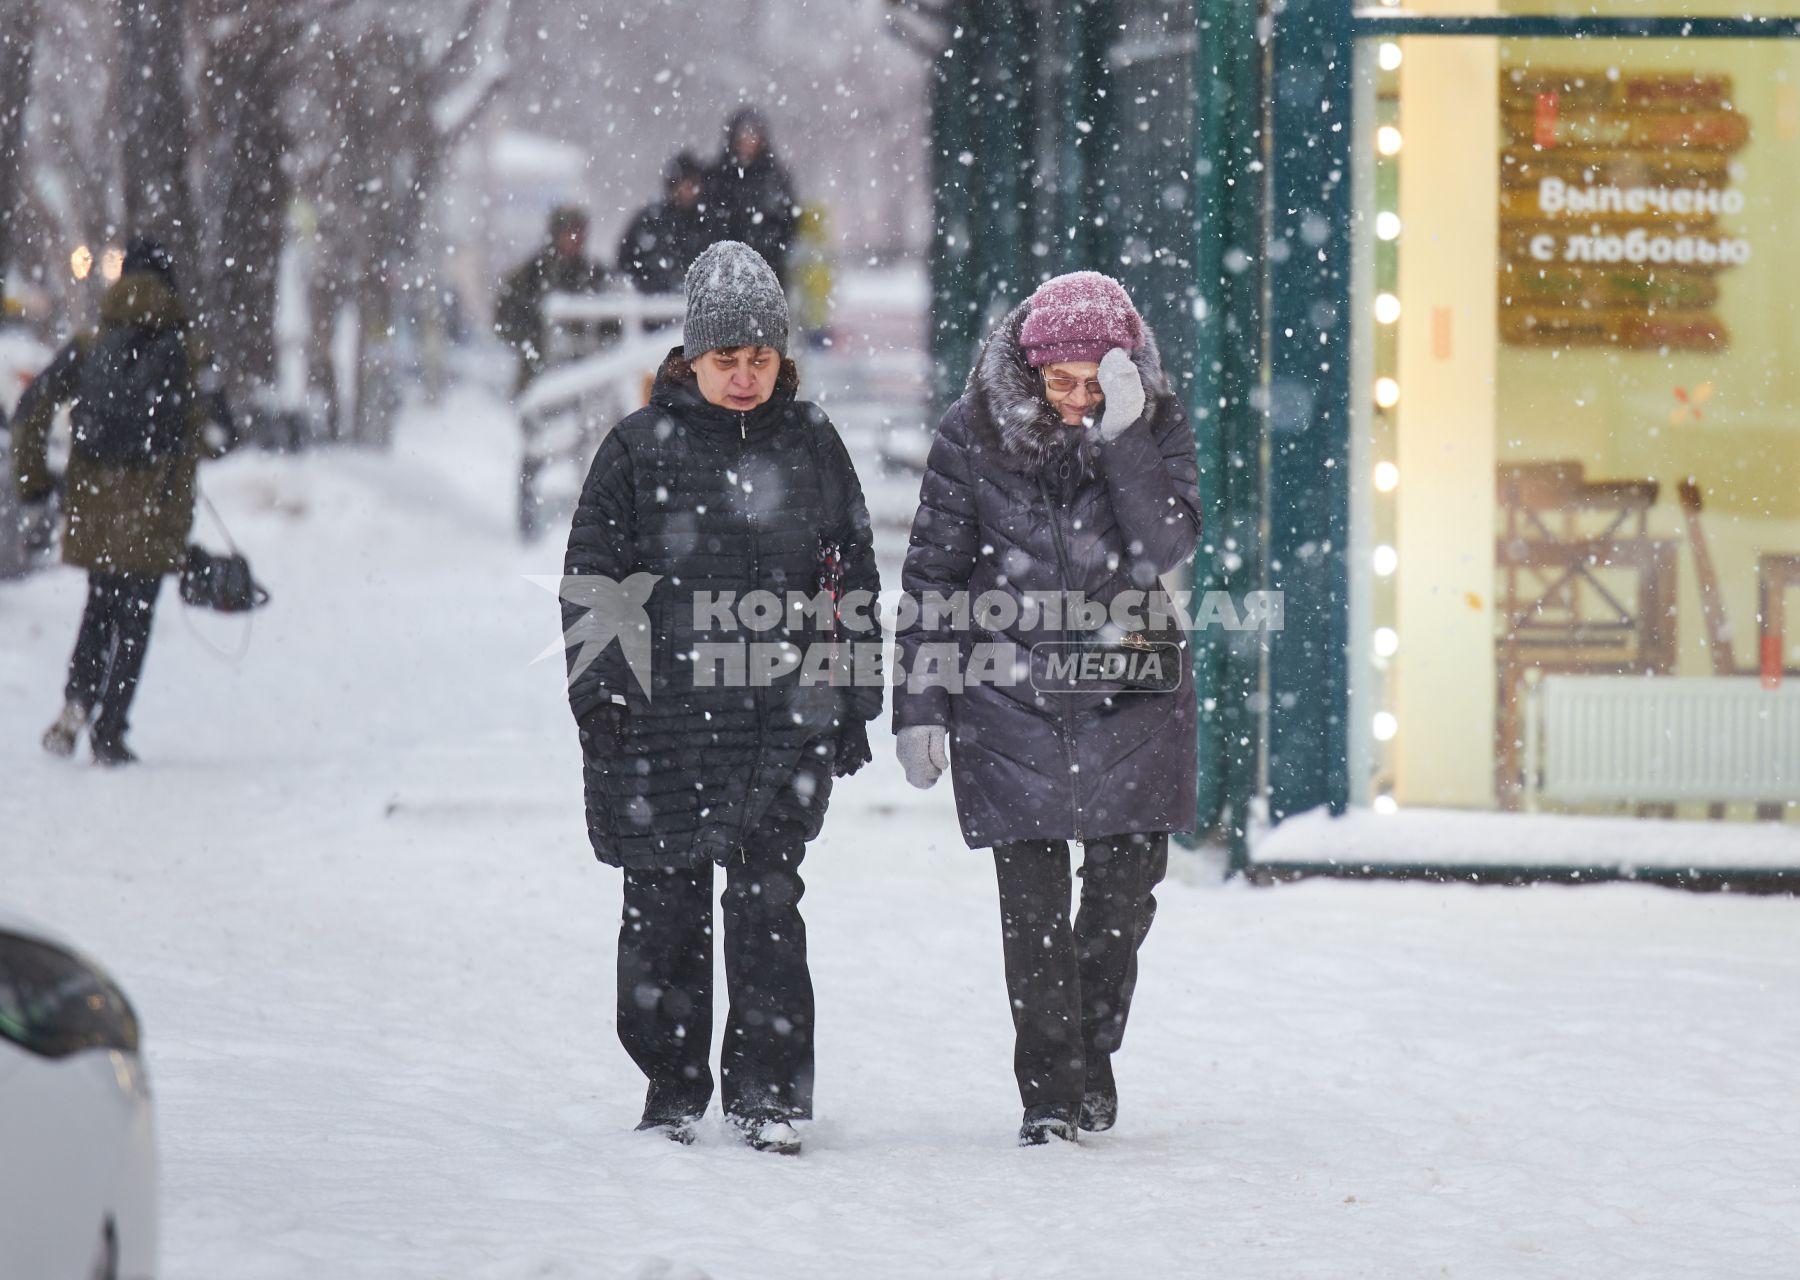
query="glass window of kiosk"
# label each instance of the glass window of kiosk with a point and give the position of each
(1576, 497)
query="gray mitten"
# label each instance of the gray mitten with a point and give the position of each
(1124, 392)
(924, 751)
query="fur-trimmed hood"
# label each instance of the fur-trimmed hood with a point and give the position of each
(1010, 415)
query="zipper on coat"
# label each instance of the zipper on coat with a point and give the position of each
(1063, 715)
(758, 693)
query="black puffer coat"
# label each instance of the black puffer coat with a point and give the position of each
(753, 203)
(660, 244)
(717, 501)
(1030, 765)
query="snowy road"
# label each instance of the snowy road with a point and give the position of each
(350, 893)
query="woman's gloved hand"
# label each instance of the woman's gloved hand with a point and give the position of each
(1123, 388)
(852, 749)
(924, 753)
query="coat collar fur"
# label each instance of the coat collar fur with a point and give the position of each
(1012, 417)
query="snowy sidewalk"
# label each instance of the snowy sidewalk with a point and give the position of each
(350, 892)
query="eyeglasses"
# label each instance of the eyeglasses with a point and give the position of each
(1062, 384)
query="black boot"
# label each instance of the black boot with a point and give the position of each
(1100, 1100)
(768, 1133)
(1046, 1121)
(670, 1115)
(110, 749)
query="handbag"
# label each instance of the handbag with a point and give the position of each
(224, 583)
(1123, 658)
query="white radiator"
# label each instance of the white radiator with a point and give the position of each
(1661, 739)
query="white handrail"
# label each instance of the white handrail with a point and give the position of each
(627, 305)
(634, 355)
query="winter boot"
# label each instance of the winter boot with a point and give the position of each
(1046, 1121)
(769, 1133)
(59, 738)
(111, 751)
(674, 1128)
(670, 1116)
(1100, 1101)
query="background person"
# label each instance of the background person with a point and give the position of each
(726, 482)
(147, 405)
(1068, 431)
(748, 194)
(665, 238)
(560, 266)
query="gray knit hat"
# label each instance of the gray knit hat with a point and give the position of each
(733, 300)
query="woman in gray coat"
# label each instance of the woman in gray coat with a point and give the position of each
(1066, 468)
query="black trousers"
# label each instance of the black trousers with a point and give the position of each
(665, 982)
(1071, 988)
(110, 647)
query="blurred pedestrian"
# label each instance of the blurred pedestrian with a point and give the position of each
(1067, 467)
(748, 195)
(729, 482)
(560, 266)
(813, 277)
(664, 238)
(147, 407)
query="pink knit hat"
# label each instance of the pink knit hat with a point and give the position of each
(1080, 316)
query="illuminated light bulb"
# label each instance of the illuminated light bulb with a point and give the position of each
(1387, 477)
(1387, 308)
(81, 262)
(1385, 726)
(1386, 561)
(1387, 642)
(1387, 392)
(1390, 56)
(1388, 140)
(1386, 804)
(112, 263)
(1387, 225)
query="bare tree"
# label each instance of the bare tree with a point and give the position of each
(250, 61)
(154, 134)
(393, 94)
(18, 32)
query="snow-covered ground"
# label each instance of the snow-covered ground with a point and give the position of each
(350, 893)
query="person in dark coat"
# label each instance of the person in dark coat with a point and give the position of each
(748, 194)
(1068, 431)
(128, 490)
(665, 237)
(561, 266)
(725, 483)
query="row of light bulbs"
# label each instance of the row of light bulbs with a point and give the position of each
(1384, 725)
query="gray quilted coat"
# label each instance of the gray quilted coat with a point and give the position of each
(1026, 763)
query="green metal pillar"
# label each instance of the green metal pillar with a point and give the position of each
(1229, 166)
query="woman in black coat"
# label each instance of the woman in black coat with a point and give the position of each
(726, 484)
(1066, 467)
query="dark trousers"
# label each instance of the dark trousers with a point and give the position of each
(1070, 988)
(665, 982)
(110, 646)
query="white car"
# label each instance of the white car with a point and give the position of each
(77, 1135)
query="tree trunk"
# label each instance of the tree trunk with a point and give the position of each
(18, 29)
(154, 134)
(254, 198)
